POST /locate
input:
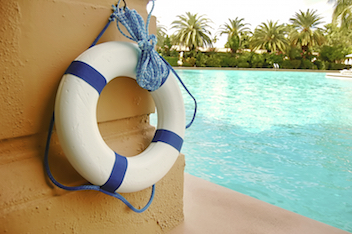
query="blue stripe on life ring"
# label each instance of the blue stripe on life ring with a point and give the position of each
(88, 74)
(117, 174)
(168, 137)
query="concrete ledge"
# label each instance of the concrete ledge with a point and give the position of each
(210, 208)
(30, 203)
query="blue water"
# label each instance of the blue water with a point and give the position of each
(281, 137)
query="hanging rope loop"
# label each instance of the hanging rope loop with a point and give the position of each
(151, 69)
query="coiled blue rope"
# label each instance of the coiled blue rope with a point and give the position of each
(152, 68)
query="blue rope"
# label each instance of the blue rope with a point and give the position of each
(111, 18)
(87, 187)
(189, 93)
(152, 69)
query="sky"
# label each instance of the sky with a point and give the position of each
(254, 12)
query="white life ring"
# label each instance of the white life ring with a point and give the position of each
(77, 129)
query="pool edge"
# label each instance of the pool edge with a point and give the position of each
(211, 208)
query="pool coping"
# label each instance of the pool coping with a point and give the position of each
(211, 208)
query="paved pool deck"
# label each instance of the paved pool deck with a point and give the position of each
(210, 208)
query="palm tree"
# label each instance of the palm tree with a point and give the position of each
(234, 30)
(269, 36)
(306, 32)
(337, 38)
(192, 31)
(342, 14)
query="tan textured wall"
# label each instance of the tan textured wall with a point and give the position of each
(38, 40)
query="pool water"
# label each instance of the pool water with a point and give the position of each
(281, 137)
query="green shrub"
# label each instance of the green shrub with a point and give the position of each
(172, 61)
(273, 58)
(245, 57)
(336, 66)
(191, 61)
(243, 65)
(295, 63)
(192, 53)
(228, 61)
(185, 63)
(213, 61)
(295, 53)
(257, 60)
(174, 53)
(307, 64)
(320, 65)
(291, 64)
(331, 53)
(326, 65)
(201, 60)
(286, 64)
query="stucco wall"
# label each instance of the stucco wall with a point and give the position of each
(38, 40)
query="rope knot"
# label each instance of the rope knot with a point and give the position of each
(147, 44)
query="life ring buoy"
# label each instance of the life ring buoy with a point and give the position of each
(77, 129)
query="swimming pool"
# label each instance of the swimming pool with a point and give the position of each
(282, 137)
